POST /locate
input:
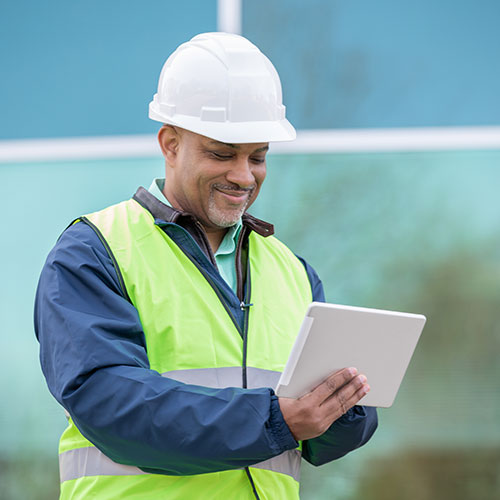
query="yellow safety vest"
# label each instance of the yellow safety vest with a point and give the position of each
(204, 348)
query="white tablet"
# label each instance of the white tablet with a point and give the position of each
(378, 343)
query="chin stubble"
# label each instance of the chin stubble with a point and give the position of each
(220, 217)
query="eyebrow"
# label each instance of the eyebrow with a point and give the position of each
(237, 146)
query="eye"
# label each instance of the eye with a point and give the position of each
(221, 156)
(258, 160)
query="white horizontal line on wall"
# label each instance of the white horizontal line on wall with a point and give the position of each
(395, 139)
(79, 148)
(308, 141)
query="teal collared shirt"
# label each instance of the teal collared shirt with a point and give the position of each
(225, 256)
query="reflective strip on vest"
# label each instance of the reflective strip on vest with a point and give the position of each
(89, 461)
(231, 376)
(287, 463)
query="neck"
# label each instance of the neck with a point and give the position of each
(215, 237)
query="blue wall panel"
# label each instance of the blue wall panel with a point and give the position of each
(88, 68)
(382, 64)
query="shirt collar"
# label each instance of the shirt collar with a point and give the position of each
(156, 189)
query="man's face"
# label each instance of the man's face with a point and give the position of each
(212, 180)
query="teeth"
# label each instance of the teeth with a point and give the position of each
(234, 193)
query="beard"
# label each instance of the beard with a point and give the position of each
(226, 217)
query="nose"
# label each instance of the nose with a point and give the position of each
(240, 173)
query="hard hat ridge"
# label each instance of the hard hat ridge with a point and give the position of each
(222, 86)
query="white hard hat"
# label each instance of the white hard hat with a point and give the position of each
(222, 86)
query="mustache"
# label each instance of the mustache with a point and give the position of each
(228, 187)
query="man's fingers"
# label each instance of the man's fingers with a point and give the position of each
(346, 397)
(312, 414)
(332, 384)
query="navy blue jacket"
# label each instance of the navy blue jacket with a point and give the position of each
(93, 355)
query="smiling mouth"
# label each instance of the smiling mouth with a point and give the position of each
(236, 196)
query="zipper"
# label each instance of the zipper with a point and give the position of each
(244, 300)
(245, 305)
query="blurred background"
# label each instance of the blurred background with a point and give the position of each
(391, 192)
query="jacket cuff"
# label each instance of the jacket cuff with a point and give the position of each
(353, 414)
(282, 436)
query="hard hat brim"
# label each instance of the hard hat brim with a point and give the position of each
(232, 132)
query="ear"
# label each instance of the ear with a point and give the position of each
(169, 139)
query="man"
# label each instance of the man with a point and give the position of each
(164, 321)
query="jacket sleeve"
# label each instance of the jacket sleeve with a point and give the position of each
(350, 431)
(93, 355)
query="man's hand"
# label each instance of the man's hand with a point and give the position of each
(312, 414)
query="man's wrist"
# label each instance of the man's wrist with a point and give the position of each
(279, 428)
